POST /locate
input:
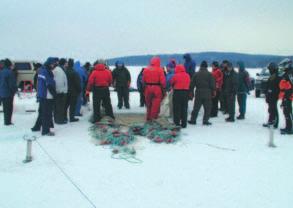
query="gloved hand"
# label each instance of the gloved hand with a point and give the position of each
(128, 84)
(87, 93)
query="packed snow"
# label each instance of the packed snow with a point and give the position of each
(225, 165)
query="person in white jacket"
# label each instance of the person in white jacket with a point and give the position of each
(61, 90)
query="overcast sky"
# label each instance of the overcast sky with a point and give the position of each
(88, 29)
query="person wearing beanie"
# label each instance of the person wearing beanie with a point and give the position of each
(154, 81)
(74, 89)
(218, 76)
(230, 89)
(121, 82)
(99, 82)
(272, 95)
(180, 83)
(46, 93)
(204, 83)
(61, 92)
(243, 89)
(8, 89)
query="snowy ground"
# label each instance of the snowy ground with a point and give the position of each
(199, 171)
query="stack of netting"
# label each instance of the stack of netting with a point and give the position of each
(109, 133)
(156, 132)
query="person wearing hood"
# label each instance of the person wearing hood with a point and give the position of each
(218, 76)
(286, 95)
(230, 89)
(61, 90)
(180, 83)
(155, 85)
(8, 89)
(189, 65)
(83, 80)
(204, 83)
(99, 82)
(243, 89)
(46, 92)
(121, 82)
(272, 95)
(140, 88)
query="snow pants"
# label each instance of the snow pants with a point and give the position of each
(79, 104)
(230, 101)
(45, 117)
(241, 98)
(153, 98)
(101, 95)
(207, 105)
(180, 106)
(7, 109)
(273, 113)
(215, 104)
(60, 102)
(123, 96)
(287, 110)
(71, 101)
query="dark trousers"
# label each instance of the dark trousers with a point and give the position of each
(60, 102)
(180, 106)
(45, 117)
(71, 101)
(273, 113)
(230, 101)
(241, 98)
(207, 105)
(287, 110)
(215, 104)
(142, 99)
(223, 101)
(7, 109)
(123, 96)
(102, 95)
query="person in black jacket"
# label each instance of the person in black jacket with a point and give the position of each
(230, 90)
(272, 96)
(140, 88)
(8, 89)
(243, 89)
(121, 80)
(205, 85)
(74, 89)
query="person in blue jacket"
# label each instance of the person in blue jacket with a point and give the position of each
(170, 73)
(189, 64)
(8, 89)
(46, 92)
(83, 80)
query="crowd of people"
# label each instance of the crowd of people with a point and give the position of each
(63, 86)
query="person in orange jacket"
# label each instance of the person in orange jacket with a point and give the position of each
(99, 82)
(286, 94)
(218, 76)
(180, 84)
(154, 82)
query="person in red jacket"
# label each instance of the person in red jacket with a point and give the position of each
(154, 82)
(218, 75)
(180, 84)
(99, 82)
(286, 95)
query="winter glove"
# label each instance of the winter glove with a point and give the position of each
(87, 93)
(128, 84)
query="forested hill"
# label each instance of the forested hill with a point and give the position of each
(251, 60)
